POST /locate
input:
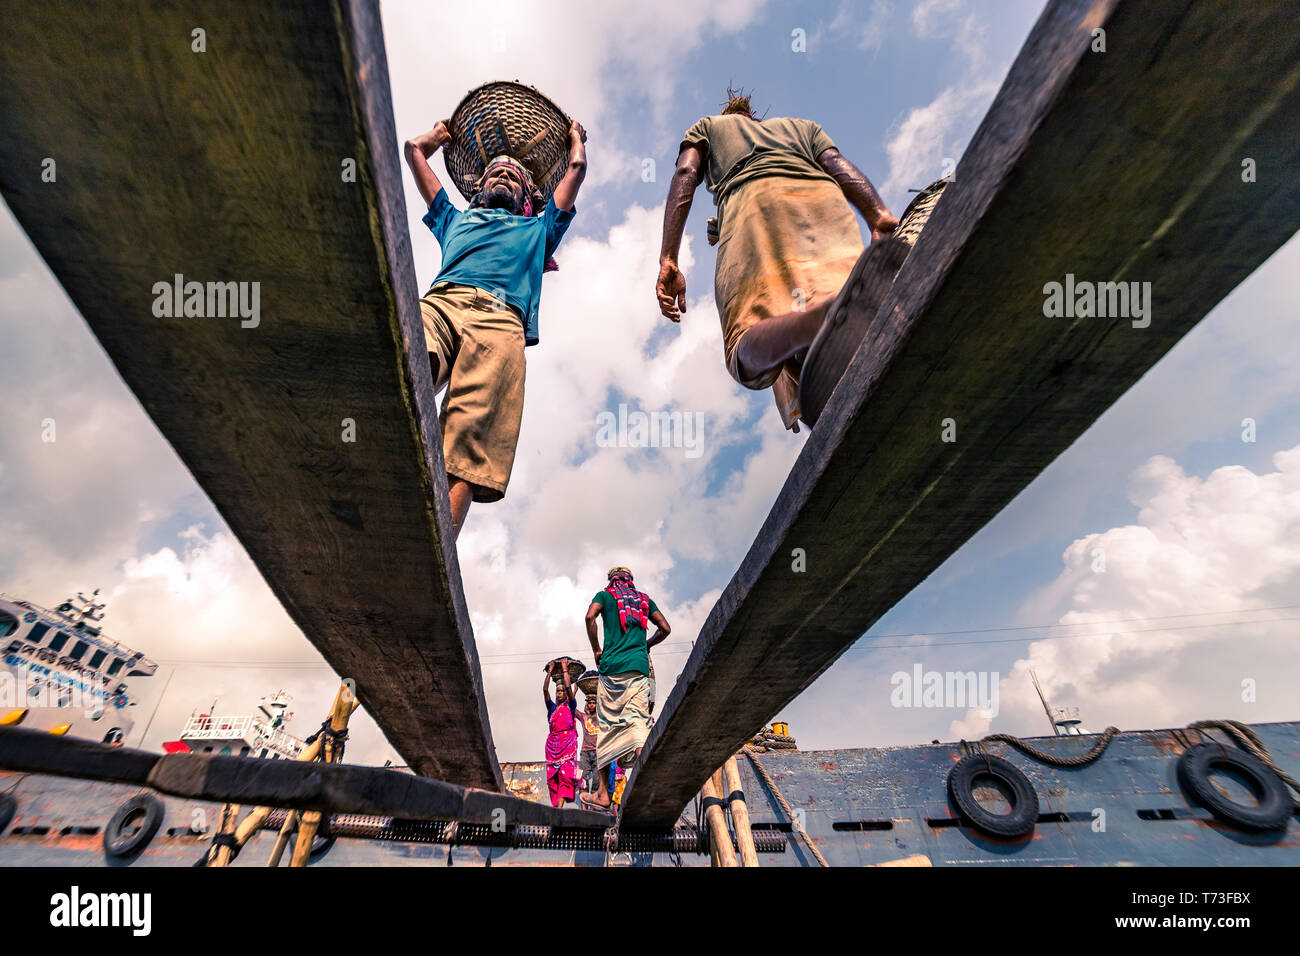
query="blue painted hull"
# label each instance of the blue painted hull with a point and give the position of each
(860, 806)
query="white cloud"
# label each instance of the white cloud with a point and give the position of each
(1201, 549)
(867, 30)
(922, 141)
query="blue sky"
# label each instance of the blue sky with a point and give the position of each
(1196, 524)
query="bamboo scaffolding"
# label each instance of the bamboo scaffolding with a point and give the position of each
(721, 851)
(344, 705)
(739, 813)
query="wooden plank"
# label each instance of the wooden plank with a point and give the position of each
(231, 165)
(1117, 166)
(291, 784)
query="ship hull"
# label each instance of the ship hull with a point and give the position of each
(858, 807)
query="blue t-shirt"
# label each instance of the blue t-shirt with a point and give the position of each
(498, 252)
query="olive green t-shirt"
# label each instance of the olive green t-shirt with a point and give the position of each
(622, 651)
(741, 149)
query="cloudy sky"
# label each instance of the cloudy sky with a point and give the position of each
(1192, 616)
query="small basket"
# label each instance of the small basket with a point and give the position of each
(918, 211)
(588, 683)
(511, 119)
(576, 669)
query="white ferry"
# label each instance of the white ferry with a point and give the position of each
(258, 735)
(61, 674)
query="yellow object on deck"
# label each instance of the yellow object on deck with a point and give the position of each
(781, 728)
(13, 718)
(60, 729)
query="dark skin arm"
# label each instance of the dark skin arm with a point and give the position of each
(859, 191)
(418, 151)
(593, 614)
(566, 193)
(662, 630)
(546, 684)
(671, 286)
(564, 675)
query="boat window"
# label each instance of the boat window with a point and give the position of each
(116, 666)
(97, 658)
(13, 646)
(58, 640)
(37, 633)
(114, 736)
(8, 623)
(78, 650)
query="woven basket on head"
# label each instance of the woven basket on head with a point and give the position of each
(514, 120)
(576, 669)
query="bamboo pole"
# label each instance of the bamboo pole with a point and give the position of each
(282, 838)
(229, 814)
(719, 838)
(253, 822)
(739, 813)
(344, 705)
(916, 859)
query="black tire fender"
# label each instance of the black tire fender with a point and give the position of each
(8, 807)
(120, 843)
(1275, 804)
(1024, 801)
(324, 839)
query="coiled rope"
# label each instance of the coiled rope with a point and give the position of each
(1077, 761)
(1249, 741)
(785, 806)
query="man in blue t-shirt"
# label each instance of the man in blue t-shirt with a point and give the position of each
(481, 310)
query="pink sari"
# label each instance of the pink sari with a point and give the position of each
(561, 754)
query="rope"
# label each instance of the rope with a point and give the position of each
(338, 738)
(1078, 761)
(785, 807)
(1250, 742)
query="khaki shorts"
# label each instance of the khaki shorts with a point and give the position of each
(476, 348)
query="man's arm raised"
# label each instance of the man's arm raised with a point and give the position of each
(670, 289)
(566, 193)
(418, 151)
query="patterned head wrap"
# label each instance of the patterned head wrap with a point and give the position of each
(532, 195)
(618, 571)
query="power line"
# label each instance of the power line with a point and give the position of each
(684, 647)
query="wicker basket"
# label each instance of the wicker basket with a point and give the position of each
(918, 212)
(576, 669)
(589, 682)
(511, 119)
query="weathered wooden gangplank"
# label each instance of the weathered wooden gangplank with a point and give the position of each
(1122, 166)
(234, 164)
(290, 784)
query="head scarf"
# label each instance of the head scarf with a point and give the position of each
(633, 605)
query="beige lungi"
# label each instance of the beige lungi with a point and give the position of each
(476, 348)
(784, 244)
(623, 711)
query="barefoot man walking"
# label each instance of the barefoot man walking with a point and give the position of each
(481, 310)
(786, 235)
(623, 702)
